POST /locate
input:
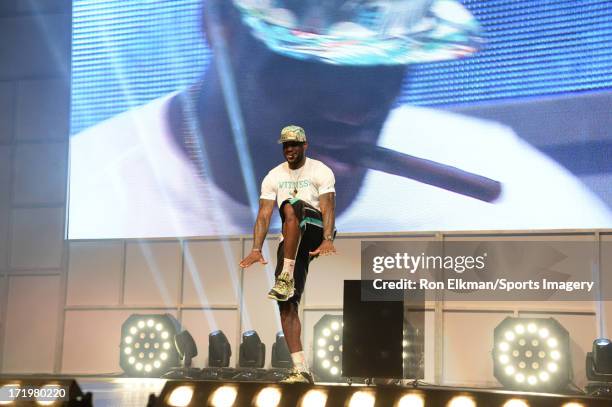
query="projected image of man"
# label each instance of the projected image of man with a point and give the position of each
(189, 163)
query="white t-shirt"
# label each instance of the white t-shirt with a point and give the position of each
(311, 180)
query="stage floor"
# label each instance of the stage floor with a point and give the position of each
(122, 392)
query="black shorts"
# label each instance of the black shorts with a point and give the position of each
(311, 232)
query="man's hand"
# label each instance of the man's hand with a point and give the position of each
(324, 249)
(253, 257)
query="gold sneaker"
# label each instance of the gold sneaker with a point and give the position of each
(283, 288)
(297, 376)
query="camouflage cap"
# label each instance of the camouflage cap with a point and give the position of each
(292, 133)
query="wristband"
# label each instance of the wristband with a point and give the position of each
(255, 250)
(329, 237)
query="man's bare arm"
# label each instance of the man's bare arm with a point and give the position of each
(266, 207)
(328, 209)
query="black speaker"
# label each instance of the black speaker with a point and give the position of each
(372, 335)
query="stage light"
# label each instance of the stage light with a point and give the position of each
(362, 399)
(224, 396)
(314, 398)
(254, 394)
(327, 365)
(516, 403)
(146, 351)
(462, 401)
(42, 401)
(181, 396)
(187, 350)
(268, 397)
(252, 351)
(599, 368)
(281, 358)
(219, 350)
(531, 354)
(411, 400)
(599, 361)
(45, 401)
(186, 347)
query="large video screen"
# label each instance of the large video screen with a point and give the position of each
(432, 114)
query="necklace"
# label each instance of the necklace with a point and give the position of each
(296, 179)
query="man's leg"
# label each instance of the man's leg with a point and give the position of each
(292, 328)
(284, 286)
(291, 231)
(309, 239)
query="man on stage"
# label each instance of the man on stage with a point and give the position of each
(304, 191)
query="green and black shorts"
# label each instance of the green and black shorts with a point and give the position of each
(311, 236)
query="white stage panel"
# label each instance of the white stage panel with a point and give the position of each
(152, 273)
(7, 114)
(468, 341)
(326, 274)
(3, 298)
(212, 274)
(37, 238)
(94, 273)
(5, 174)
(552, 257)
(5, 184)
(40, 173)
(31, 324)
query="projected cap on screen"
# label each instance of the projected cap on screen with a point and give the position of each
(362, 32)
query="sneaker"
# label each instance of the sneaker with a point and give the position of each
(283, 288)
(297, 376)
